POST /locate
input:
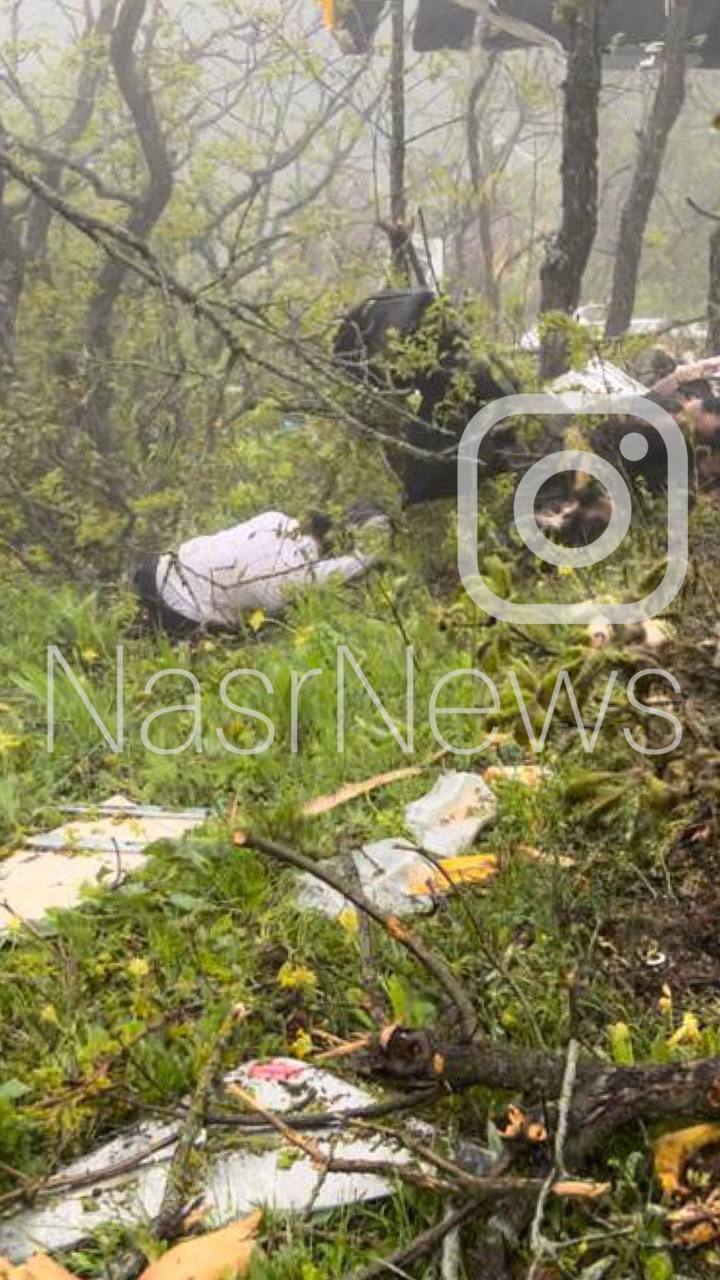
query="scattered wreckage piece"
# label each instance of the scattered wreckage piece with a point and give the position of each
(632, 35)
(227, 1252)
(100, 845)
(695, 1223)
(123, 1181)
(396, 878)
(38, 1267)
(116, 825)
(207, 1257)
(396, 874)
(672, 1151)
(598, 378)
(447, 820)
(651, 636)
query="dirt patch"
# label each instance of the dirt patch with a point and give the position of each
(673, 935)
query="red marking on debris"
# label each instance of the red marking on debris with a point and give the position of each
(275, 1070)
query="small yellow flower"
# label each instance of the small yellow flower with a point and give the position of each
(138, 968)
(348, 920)
(302, 636)
(49, 1014)
(687, 1033)
(256, 619)
(302, 1045)
(90, 656)
(665, 1003)
(565, 570)
(298, 977)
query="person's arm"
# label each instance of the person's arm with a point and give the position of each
(696, 372)
(344, 567)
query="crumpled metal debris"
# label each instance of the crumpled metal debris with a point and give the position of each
(123, 1180)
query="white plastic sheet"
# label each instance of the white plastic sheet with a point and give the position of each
(243, 1170)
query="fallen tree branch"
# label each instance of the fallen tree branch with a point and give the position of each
(332, 1164)
(605, 1098)
(119, 243)
(179, 1184)
(353, 790)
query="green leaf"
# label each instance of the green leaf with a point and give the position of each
(13, 1089)
(659, 1267)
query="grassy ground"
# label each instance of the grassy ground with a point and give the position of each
(206, 924)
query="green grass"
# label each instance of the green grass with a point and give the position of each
(207, 923)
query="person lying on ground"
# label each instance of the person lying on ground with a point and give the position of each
(210, 582)
(680, 381)
(586, 513)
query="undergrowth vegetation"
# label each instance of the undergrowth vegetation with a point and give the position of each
(106, 1012)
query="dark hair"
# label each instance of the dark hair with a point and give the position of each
(318, 524)
(671, 404)
(699, 389)
(711, 404)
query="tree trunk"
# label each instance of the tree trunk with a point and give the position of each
(12, 272)
(398, 231)
(99, 326)
(569, 251)
(666, 109)
(714, 295)
(90, 77)
(484, 223)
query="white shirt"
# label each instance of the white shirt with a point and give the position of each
(255, 565)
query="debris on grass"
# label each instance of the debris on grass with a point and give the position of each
(227, 1252)
(245, 1165)
(697, 1224)
(600, 633)
(538, 855)
(116, 825)
(31, 884)
(651, 636)
(395, 873)
(392, 875)
(525, 775)
(447, 820)
(37, 1267)
(473, 868)
(598, 378)
(209, 1257)
(99, 847)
